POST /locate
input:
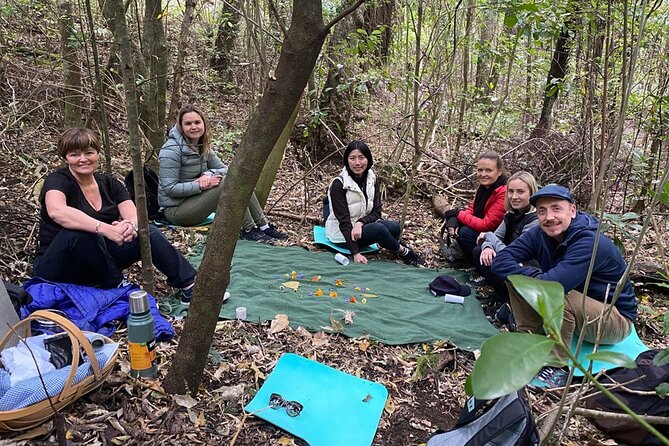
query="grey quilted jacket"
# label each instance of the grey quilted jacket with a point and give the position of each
(180, 167)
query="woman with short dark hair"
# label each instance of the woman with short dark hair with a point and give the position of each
(88, 224)
(355, 201)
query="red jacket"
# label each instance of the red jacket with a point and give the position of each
(493, 212)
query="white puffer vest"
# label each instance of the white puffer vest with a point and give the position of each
(358, 207)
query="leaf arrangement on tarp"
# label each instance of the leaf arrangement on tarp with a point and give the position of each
(386, 301)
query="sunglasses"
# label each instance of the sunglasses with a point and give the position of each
(293, 408)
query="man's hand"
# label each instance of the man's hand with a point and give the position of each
(359, 258)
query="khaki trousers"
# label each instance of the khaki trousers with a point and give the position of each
(579, 310)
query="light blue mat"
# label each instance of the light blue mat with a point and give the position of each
(338, 408)
(631, 346)
(207, 221)
(321, 239)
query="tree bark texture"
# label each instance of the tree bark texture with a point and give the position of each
(228, 25)
(73, 99)
(283, 91)
(175, 101)
(273, 162)
(123, 41)
(99, 90)
(377, 14)
(556, 75)
(152, 108)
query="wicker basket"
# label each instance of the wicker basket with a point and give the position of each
(27, 417)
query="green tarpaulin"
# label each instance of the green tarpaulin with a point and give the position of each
(404, 312)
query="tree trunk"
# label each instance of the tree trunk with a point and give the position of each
(179, 67)
(224, 45)
(273, 162)
(465, 74)
(299, 52)
(73, 99)
(376, 15)
(123, 41)
(556, 75)
(152, 108)
(485, 60)
(99, 90)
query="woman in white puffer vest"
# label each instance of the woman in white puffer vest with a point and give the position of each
(355, 204)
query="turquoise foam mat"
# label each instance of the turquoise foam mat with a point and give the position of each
(631, 346)
(338, 408)
(207, 221)
(321, 239)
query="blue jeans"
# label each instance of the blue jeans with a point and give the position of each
(384, 232)
(84, 258)
(467, 239)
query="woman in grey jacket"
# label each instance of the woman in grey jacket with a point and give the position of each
(520, 217)
(191, 175)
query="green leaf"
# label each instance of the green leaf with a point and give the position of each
(510, 20)
(662, 390)
(508, 361)
(616, 358)
(546, 297)
(661, 358)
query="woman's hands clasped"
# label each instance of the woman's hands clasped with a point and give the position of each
(209, 181)
(119, 232)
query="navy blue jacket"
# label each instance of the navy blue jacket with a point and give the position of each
(568, 262)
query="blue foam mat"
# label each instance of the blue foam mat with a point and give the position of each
(631, 346)
(338, 408)
(321, 239)
(207, 221)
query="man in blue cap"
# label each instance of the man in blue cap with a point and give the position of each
(563, 244)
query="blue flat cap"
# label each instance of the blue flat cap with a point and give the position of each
(554, 191)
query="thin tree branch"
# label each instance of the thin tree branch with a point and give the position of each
(343, 14)
(652, 419)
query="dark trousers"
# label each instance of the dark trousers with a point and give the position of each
(384, 232)
(493, 280)
(85, 258)
(467, 239)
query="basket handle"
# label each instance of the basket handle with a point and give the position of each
(76, 335)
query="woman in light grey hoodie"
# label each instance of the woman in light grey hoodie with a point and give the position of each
(191, 178)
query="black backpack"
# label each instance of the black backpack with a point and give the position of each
(646, 377)
(505, 421)
(151, 188)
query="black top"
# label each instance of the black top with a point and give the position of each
(112, 191)
(339, 206)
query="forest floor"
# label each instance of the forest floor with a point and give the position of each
(422, 398)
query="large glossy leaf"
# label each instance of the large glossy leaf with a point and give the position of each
(661, 358)
(508, 361)
(662, 390)
(616, 358)
(546, 297)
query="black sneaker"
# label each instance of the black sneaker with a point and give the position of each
(550, 378)
(186, 295)
(256, 235)
(273, 232)
(413, 259)
(477, 280)
(504, 316)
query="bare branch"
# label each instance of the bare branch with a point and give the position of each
(343, 14)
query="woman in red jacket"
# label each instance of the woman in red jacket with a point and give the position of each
(485, 212)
